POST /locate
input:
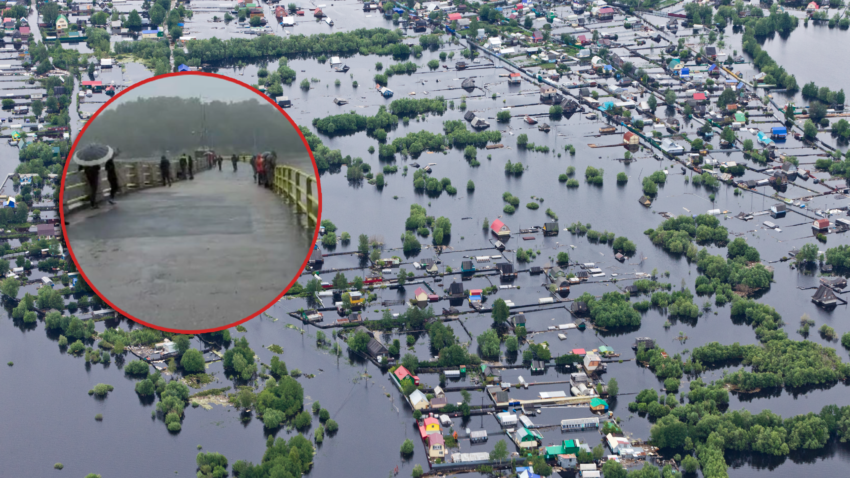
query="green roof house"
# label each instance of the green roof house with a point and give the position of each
(598, 405)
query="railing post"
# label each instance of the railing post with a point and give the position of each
(297, 192)
(311, 222)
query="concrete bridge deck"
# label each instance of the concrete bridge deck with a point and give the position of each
(198, 255)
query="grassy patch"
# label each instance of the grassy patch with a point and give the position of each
(276, 348)
(212, 391)
(198, 380)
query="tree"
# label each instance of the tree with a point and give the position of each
(500, 312)
(652, 102)
(407, 447)
(670, 97)
(488, 343)
(512, 344)
(500, 451)
(810, 130)
(613, 387)
(690, 464)
(192, 361)
(182, 343)
(503, 116)
(613, 469)
(157, 15)
(50, 12)
(417, 471)
(9, 287)
(817, 111)
(37, 106)
(245, 398)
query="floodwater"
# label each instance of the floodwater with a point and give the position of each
(359, 402)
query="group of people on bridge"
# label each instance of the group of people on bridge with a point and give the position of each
(264, 165)
(92, 157)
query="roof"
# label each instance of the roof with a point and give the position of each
(515, 75)
(418, 291)
(431, 421)
(150, 32)
(595, 402)
(629, 135)
(699, 96)
(455, 16)
(401, 373)
(822, 223)
(496, 225)
(579, 351)
(417, 396)
(182, 67)
(376, 348)
(46, 230)
(92, 83)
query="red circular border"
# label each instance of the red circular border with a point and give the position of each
(62, 208)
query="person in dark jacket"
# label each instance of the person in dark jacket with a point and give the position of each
(92, 174)
(254, 166)
(219, 160)
(165, 171)
(112, 177)
(269, 165)
(234, 160)
(191, 166)
(184, 165)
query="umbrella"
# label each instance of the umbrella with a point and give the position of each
(93, 155)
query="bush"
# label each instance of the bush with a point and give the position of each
(503, 116)
(622, 178)
(407, 447)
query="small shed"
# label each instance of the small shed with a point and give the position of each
(631, 139)
(420, 295)
(817, 225)
(598, 405)
(824, 297)
(550, 229)
(418, 400)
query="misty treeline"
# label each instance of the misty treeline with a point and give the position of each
(147, 128)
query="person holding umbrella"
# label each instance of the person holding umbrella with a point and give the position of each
(90, 158)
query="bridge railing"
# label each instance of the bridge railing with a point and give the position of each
(132, 176)
(299, 189)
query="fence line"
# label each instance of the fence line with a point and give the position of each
(293, 185)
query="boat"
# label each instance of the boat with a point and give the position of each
(544, 127)
(344, 69)
(607, 129)
(530, 120)
(329, 21)
(460, 65)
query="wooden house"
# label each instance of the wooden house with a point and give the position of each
(518, 320)
(550, 229)
(506, 270)
(820, 225)
(420, 295)
(404, 376)
(456, 290)
(825, 297)
(467, 267)
(631, 139)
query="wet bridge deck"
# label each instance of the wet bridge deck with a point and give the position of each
(197, 255)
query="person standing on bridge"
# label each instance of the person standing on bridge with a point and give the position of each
(89, 159)
(165, 171)
(191, 162)
(269, 164)
(112, 177)
(234, 160)
(220, 160)
(183, 167)
(254, 166)
(261, 175)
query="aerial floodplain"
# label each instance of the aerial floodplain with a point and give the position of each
(590, 239)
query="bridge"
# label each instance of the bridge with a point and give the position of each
(199, 254)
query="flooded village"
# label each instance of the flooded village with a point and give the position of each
(557, 239)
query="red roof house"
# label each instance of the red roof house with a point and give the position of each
(499, 228)
(420, 295)
(820, 224)
(25, 31)
(455, 16)
(699, 96)
(92, 83)
(403, 374)
(631, 138)
(579, 352)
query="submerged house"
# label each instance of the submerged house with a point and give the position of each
(506, 270)
(404, 376)
(550, 229)
(526, 438)
(456, 290)
(499, 229)
(825, 297)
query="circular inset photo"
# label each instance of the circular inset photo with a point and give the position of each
(190, 202)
